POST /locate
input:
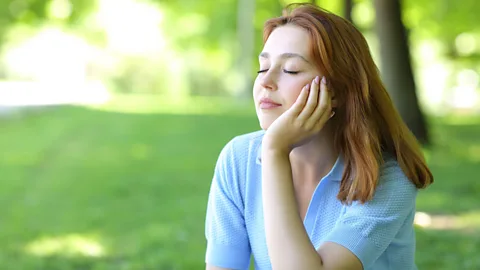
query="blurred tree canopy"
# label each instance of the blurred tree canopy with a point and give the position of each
(203, 50)
(36, 12)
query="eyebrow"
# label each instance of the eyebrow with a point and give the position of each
(284, 55)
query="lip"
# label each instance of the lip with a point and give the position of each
(266, 103)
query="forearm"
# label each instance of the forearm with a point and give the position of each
(289, 246)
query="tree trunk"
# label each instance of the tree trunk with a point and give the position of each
(396, 67)
(347, 9)
(246, 45)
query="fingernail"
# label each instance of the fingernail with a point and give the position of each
(323, 79)
(317, 80)
(308, 86)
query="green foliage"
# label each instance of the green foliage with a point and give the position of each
(80, 10)
(195, 30)
(35, 12)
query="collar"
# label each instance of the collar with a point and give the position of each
(335, 173)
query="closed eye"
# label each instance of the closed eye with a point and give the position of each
(286, 71)
(290, 72)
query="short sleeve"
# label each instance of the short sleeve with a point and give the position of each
(227, 240)
(368, 229)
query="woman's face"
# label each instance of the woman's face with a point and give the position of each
(286, 66)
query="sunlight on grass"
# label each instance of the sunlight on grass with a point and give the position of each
(474, 152)
(140, 151)
(147, 104)
(69, 245)
(19, 158)
(465, 221)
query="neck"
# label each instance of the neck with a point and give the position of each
(314, 159)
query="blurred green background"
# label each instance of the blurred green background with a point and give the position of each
(113, 113)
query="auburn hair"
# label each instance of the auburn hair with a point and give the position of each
(366, 124)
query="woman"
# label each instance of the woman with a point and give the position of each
(330, 181)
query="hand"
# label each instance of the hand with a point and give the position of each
(303, 120)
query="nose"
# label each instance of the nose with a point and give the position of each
(268, 81)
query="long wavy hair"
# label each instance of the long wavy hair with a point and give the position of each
(366, 123)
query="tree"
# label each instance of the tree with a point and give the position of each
(246, 42)
(396, 66)
(347, 9)
(36, 12)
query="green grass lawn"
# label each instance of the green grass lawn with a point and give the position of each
(98, 188)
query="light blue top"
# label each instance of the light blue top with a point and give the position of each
(380, 232)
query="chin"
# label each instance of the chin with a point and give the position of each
(265, 120)
(265, 123)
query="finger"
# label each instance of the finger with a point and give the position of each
(329, 112)
(312, 100)
(323, 110)
(299, 104)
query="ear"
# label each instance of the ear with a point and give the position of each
(334, 102)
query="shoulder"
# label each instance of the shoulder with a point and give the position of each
(247, 140)
(395, 194)
(392, 176)
(238, 154)
(243, 147)
(368, 229)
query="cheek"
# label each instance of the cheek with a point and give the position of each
(292, 94)
(256, 89)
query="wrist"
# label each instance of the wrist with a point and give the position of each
(270, 148)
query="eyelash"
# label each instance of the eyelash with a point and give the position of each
(286, 71)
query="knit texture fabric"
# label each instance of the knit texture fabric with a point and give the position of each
(380, 232)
